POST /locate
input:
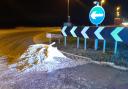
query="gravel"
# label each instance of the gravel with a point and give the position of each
(121, 58)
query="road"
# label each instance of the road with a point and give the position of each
(13, 42)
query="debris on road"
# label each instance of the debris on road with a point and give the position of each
(43, 57)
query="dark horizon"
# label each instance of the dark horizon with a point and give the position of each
(54, 12)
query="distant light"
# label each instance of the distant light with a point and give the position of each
(117, 11)
(118, 14)
(125, 23)
(118, 8)
(102, 1)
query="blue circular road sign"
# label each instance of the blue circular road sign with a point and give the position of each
(97, 15)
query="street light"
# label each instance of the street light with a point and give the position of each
(118, 8)
(102, 2)
(118, 11)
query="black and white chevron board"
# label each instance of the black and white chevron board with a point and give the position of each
(112, 33)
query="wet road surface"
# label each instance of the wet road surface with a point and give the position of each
(90, 76)
(13, 42)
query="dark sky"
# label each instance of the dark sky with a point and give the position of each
(53, 12)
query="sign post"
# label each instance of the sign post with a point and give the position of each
(65, 35)
(115, 49)
(115, 35)
(85, 44)
(78, 42)
(65, 41)
(104, 46)
(97, 16)
(96, 44)
(84, 34)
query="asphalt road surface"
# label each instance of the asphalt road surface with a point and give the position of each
(14, 42)
(89, 76)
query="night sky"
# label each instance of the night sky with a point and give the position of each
(54, 12)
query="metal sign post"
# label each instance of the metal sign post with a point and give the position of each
(84, 34)
(65, 35)
(115, 49)
(104, 46)
(85, 44)
(78, 42)
(115, 35)
(74, 34)
(96, 44)
(65, 41)
(96, 16)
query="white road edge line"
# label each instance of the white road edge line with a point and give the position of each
(100, 63)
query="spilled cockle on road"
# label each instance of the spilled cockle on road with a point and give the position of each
(43, 57)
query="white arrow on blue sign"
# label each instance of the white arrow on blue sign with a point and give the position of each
(73, 31)
(97, 15)
(63, 30)
(97, 33)
(116, 32)
(83, 32)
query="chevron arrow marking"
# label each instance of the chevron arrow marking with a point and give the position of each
(83, 32)
(63, 30)
(116, 32)
(73, 31)
(97, 33)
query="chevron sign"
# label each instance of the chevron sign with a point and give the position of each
(118, 34)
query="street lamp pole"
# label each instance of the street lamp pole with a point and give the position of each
(68, 7)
